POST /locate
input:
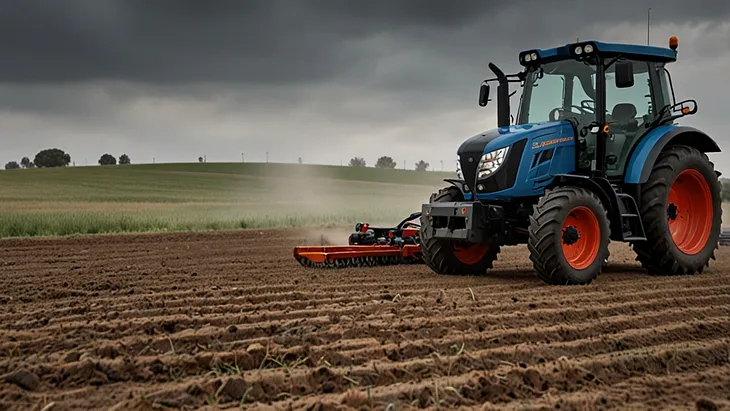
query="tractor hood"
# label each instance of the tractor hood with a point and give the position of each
(516, 137)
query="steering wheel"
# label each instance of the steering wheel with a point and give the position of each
(588, 106)
(584, 109)
(556, 113)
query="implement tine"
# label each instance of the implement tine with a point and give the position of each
(356, 256)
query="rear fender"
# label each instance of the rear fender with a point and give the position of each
(645, 154)
(602, 188)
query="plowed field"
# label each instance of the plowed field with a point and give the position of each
(223, 319)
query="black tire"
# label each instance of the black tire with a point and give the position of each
(659, 254)
(546, 235)
(440, 255)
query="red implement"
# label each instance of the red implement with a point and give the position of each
(357, 255)
(368, 246)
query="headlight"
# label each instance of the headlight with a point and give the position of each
(459, 174)
(491, 162)
(588, 48)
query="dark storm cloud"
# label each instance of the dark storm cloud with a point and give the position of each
(284, 41)
(179, 41)
(322, 79)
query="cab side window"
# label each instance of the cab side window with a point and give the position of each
(628, 111)
(633, 103)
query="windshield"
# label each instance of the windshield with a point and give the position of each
(557, 91)
(566, 90)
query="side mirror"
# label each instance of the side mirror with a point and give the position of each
(484, 94)
(624, 74)
(685, 108)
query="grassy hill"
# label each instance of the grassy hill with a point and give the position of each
(195, 196)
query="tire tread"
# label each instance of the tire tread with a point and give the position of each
(438, 254)
(657, 254)
(544, 224)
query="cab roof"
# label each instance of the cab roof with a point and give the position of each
(634, 51)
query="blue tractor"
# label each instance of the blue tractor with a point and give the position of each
(594, 155)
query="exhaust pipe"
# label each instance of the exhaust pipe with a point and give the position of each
(503, 109)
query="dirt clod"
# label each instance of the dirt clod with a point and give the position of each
(255, 348)
(703, 404)
(24, 379)
(232, 389)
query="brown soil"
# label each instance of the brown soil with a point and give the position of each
(215, 320)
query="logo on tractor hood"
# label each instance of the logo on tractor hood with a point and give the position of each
(503, 136)
(541, 144)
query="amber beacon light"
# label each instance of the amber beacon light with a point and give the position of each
(673, 42)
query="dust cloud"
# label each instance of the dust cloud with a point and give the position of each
(336, 205)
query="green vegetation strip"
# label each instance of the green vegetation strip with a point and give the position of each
(208, 196)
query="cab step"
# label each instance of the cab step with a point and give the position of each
(632, 227)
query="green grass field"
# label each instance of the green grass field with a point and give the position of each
(209, 196)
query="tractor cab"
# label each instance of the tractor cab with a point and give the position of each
(611, 94)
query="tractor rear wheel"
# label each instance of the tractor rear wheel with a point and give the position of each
(681, 209)
(569, 236)
(454, 257)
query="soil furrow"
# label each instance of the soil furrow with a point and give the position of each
(247, 305)
(501, 384)
(317, 330)
(193, 320)
(690, 389)
(382, 373)
(506, 383)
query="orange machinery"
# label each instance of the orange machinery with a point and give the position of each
(368, 246)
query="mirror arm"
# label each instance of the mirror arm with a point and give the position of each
(666, 120)
(663, 120)
(615, 59)
(519, 77)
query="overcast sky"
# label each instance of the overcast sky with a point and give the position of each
(322, 79)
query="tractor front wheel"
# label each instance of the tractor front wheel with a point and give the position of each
(569, 236)
(454, 257)
(681, 209)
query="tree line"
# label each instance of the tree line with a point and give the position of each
(54, 157)
(386, 162)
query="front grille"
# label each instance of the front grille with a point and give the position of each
(469, 169)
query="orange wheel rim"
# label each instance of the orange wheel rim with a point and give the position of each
(581, 237)
(470, 254)
(689, 211)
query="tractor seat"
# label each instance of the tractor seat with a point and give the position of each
(623, 130)
(624, 117)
